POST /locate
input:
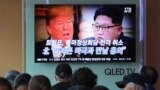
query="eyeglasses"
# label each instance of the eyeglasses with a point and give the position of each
(103, 27)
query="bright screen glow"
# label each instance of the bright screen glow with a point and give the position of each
(85, 33)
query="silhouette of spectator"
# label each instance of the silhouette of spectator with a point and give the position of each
(21, 81)
(63, 75)
(100, 87)
(150, 76)
(133, 81)
(11, 75)
(84, 76)
(79, 87)
(5, 84)
(39, 82)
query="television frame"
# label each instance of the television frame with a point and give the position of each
(130, 10)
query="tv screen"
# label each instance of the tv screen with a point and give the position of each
(85, 33)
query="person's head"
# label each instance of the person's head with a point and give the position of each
(60, 22)
(11, 75)
(84, 76)
(100, 87)
(133, 86)
(150, 74)
(21, 81)
(79, 87)
(63, 72)
(107, 23)
(4, 84)
(39, 82)
(134, 78)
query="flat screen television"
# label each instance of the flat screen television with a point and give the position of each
(85, 33)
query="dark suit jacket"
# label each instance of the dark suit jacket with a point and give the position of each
(129, 53)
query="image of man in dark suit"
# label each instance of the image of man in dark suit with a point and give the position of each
(109, 34)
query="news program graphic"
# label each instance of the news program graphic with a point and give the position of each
(85, 33)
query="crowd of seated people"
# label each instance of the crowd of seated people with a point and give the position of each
(81, 79)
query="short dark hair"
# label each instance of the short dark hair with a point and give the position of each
(112, 12)
(78, 87)
(63, 70)
(149, 74)
(84, 76)
(100, 87)
(5, 83)
(21, 79)
(39, 82)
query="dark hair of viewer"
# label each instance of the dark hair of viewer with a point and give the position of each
(21, 79)
(79, 87)
(100, 87)
(84, 76)
(150, 74)
(63, 70)
(39, 82)
(4, 83)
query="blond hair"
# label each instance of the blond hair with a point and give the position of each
(59, 10)
(56, 10)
